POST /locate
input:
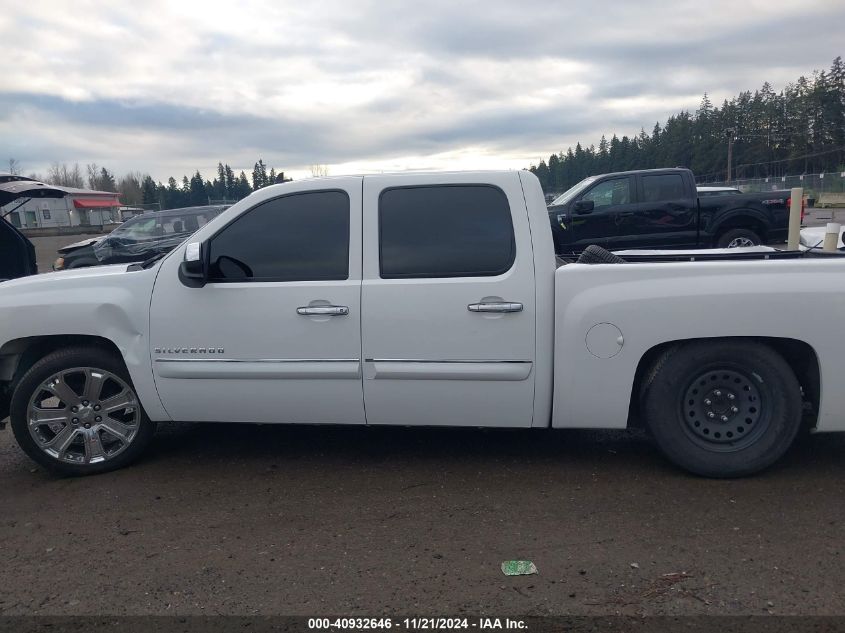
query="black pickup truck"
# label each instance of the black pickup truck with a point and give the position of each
(660, 208)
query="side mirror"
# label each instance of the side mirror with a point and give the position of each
(192, 271)
(582, 207)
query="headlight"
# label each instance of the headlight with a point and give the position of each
(59, 264)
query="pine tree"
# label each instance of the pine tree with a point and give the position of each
(149, 191)
(242, 187)
(197, 193)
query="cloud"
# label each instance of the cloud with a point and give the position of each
(173, 87)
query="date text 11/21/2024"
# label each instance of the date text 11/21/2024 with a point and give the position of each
(417, 624)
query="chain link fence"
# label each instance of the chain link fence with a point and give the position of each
(822, 190)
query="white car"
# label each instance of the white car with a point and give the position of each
(420, 299)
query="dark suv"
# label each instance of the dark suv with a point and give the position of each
(138, 238)
(17, 254)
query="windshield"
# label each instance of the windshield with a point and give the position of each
(567, 195)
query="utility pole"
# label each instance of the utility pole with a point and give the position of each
(731, 131)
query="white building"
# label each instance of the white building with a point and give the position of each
(81, 207)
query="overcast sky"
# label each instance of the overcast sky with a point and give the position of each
(168, 87)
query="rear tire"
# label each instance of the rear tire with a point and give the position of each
(75, 412)
(723, 408)
(735, 238)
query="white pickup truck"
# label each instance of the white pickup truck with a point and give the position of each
(421, 299)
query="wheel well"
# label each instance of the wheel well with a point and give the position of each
(742, 222)
(18, 355)
(799, 355)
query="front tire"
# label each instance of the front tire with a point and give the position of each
(75, 412)
(723, 408)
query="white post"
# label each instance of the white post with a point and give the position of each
(831, 236)
(795, 218)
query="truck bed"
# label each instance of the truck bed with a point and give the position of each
(613, 320)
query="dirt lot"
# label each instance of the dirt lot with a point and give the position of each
(308, 520)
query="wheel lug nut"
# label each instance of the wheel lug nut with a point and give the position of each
(87, 426)
(75, 420)
(724, 418)
(98, 419)
(711, 415)
(734, 410)
(708, 402)
(717, 393)
(74, 409)
(731, 396)
(84, 403)
(96, 407)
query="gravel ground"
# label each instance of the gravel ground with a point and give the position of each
(229, 519)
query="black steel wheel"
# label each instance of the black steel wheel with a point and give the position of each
(723, 407)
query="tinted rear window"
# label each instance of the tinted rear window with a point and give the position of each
(663, 187)
(445, 231)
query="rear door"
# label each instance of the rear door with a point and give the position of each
(665, 216)
(447, 304)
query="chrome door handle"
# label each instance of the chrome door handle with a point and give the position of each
(497, 306)
(323, 310)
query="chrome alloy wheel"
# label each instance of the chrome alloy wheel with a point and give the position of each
(738, 242)
(83, 415)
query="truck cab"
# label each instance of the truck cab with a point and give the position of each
(636, 209)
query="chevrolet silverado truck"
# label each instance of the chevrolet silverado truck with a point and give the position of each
(661, 208)
(421, 300)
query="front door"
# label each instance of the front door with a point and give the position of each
(598, 226)
(448, 303)
(275, 335)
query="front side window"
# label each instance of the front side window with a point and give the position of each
(663, 187)
(299, 237)
(445, 231)
(610, 192)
